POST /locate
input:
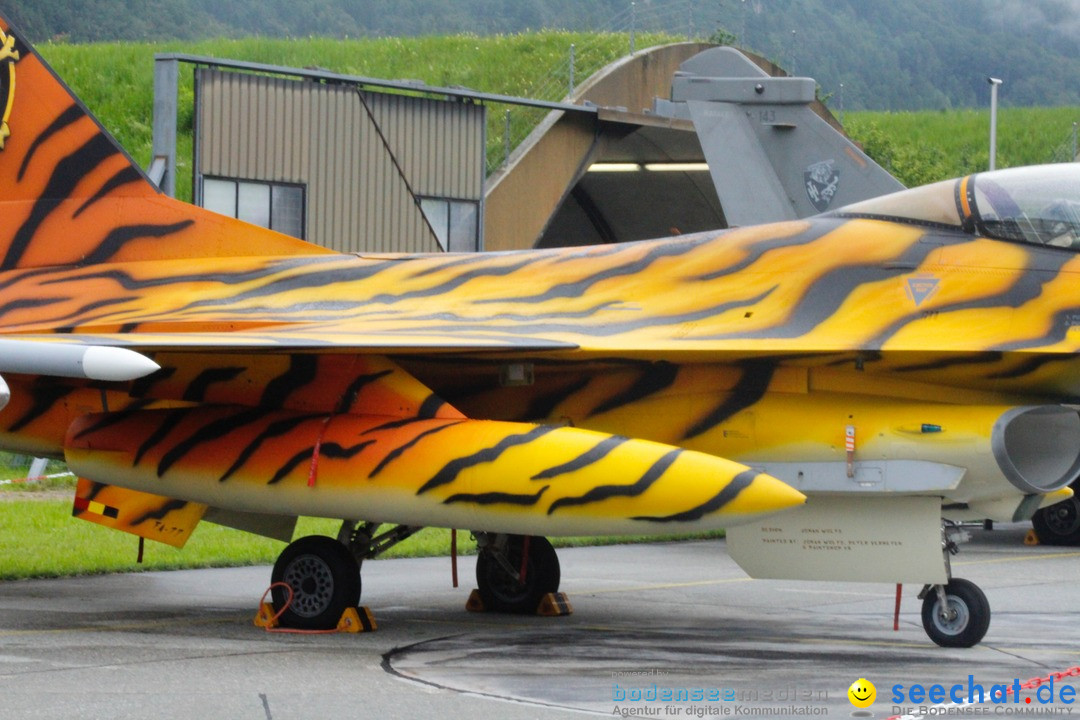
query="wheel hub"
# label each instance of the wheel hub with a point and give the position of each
(1063, 518)
(312, 583)
(952, 618)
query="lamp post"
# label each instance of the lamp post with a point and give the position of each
(994, 82)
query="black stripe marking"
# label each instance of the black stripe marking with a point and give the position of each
(660, 376)
(127, 282)
(112, 418)
(119, 237)
(274, 429)
(467, 259)
(756, 250)
(577, 288)
(952, 361)
(605, 492)
(348, 398)
(196, 390)
(1060, 324)
(349, 272)
(28, 303)
(452, 469)
(601, 329)
(542, 406)
(208, 433)
(62, 183)
(430, 407)
(497, 498)
(748, 391)
(828, 292)
(1027, 287)
(400, 450)
(141, 387)
(452, 283)
(69, 116)
(124, 177)
(303, 369)
(330, 450)
(161, 512)
(45, 397)
(95, 489)
(17, 277)
(1030, 365)
(166, 425)
(591, 456)
(730, 491)
(79, 314)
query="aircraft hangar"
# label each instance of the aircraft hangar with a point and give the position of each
(674, 139)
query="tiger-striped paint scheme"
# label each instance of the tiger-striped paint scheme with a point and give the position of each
(154, 517)
(559, 391)
(507, 477)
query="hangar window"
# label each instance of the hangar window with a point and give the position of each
(455, 222)
(277, 206)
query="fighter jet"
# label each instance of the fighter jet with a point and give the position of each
(837, 392)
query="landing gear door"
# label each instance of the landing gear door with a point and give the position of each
(845, 538)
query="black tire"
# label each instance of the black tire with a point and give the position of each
(972, 615)
(1059, 524)
(325, 579)
(501, 592)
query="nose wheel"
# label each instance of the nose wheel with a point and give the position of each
(956, 614)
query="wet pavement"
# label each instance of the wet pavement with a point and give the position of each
(669, 621)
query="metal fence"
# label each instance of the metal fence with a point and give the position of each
(1066, 151)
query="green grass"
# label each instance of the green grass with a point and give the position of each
(42, 539)
(115, 80)
(921, 147)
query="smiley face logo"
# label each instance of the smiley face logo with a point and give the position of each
(862, 693)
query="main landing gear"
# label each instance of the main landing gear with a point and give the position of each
(513, 572)
(324, 573)
(1059, 524)
(956, 614)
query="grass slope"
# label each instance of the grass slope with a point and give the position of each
(922, 147)
(42, 539)
(115, 80)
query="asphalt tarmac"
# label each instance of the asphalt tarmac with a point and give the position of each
(648, 619)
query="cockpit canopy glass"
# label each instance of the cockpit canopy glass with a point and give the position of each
(1039, 205)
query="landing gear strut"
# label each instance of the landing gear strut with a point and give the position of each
(324, 573)
(506, 583)
(956, 614)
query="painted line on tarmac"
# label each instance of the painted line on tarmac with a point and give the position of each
(1020, 558)
(660, 586)
(125, 627)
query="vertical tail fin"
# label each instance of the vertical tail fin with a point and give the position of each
(70, 195)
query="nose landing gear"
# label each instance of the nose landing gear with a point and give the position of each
(956, 614)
